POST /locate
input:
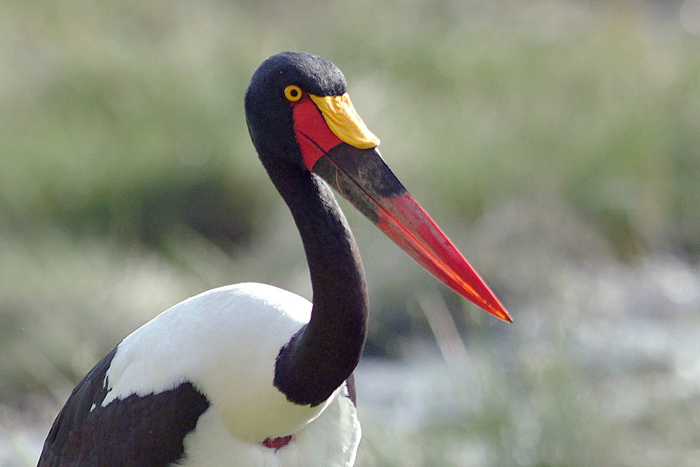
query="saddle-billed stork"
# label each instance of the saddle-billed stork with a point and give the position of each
(249, 374)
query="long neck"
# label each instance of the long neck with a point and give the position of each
(325, 352)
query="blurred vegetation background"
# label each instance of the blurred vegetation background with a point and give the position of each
(556, 142)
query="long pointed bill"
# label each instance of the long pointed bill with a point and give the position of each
(349, 161)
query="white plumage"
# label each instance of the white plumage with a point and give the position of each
(225, 341)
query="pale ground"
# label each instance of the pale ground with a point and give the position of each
(630, 371)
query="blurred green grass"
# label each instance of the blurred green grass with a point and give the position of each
(539, 134)
(119, 120)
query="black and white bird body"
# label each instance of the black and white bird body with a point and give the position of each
(249, 374)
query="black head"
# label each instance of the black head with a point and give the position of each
(305, 127)
(269, 112)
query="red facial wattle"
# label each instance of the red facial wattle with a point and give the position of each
(314, 136)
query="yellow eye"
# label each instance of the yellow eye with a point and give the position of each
(292, 93)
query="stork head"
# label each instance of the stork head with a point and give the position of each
(298, 110)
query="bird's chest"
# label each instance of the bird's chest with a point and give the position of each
(331, 439)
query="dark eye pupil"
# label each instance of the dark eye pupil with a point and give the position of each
(295, 93)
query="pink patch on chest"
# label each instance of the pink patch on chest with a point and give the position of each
(276, 443)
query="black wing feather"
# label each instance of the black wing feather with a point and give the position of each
(135, 431)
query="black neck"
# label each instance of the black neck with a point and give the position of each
(324, 353)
